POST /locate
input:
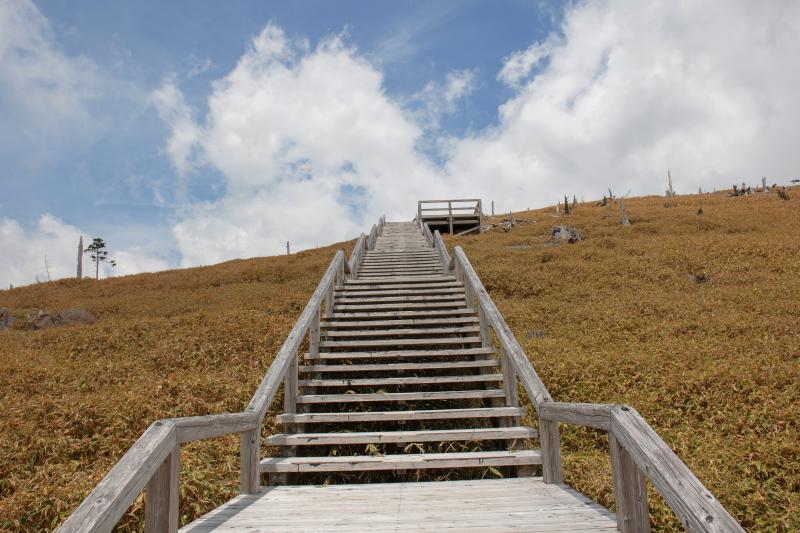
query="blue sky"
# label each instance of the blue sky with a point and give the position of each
(174, 129)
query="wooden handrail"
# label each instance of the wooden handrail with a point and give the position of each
(636, 449)
(444, 255)
(426, 231)
(274, 376)
(152, 461)
(373, 236)
(689, 499)
(352, 265)
(531, 381)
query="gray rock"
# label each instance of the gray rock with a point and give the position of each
(75, 316)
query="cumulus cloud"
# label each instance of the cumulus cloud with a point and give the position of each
(43, 90)
(311, 148)
(24, 250)
(436, 100)
(629, 89)
(174, 111)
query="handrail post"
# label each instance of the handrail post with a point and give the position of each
(550, 442)
(480, 216)
(339, 277)
(161, 496)
(450, 215)
(630, 490)
(249, 457)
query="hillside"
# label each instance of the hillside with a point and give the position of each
(690, 318)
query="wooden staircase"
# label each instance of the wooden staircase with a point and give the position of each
(403, 379)
(392, 367)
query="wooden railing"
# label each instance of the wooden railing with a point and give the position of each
(153, 462)
(637, 452)
(451, 210)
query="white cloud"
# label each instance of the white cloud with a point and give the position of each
(631, 88)
(519, 65)
(134, 260)
(436, 100)
(44, 94)
(24, 250)
(173, 110)
(311, 148)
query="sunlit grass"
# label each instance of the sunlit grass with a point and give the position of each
(619, 317)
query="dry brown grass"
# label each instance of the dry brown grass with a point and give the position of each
(713, 366)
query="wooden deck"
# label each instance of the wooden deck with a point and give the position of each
(452, 216)
(402, 368)
(524, 504)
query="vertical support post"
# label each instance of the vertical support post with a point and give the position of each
(249, 456)
(480, 217)
(550, 440)
(630, 490)
(313, 336)
(419, 213)
(450, 215)
(80, 257)
(161, 496)
(339, 277)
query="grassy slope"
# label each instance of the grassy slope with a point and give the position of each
(714, 367)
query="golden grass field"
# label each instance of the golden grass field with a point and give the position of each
(619, 317)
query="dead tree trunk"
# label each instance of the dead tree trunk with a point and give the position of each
(80, 257)
(625, 221)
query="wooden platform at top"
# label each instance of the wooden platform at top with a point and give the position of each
(522, 504)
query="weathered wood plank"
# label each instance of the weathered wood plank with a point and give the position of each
(380, 416)
(400, 462)
(410, 380)
(382, 437)
(161, 496)
(433, 322)
(591, 415)
(391, 343)
(630, 490)
(694, 505)
(400, 396)
(109, 500)
(400, 332)
(396, 354)
(394, 367)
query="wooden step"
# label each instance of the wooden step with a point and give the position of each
(399, 306)
(420, 313)
(400, 396)
(402, 462)
(433, 261)
(372, 287)
(400, 279)
(394, 343)
(385, 437)
(400, 332)
(396, 416)
(365, 300)
(399, 354)
(421, 291)
(364, 273)
(410, 380)
(355, 324)
(392, 367)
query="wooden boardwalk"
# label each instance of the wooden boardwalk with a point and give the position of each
(402, 368)
(525, 504)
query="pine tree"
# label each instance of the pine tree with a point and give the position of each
(97, 251)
